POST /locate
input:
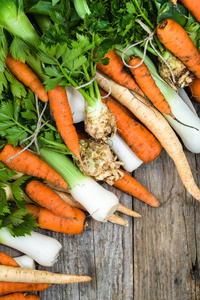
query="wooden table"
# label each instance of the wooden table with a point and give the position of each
(156, 258)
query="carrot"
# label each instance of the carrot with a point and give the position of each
(193, 6)
(29, 163)
(12, 287)
(7, 260)
(147, 84)
(115, 71)
(46, 197)
(176, 39)
(195, 89)
(62, 114)
(20, 296)
(48, 220)
(130, 185)
(34, 209)
(139, 139)
(12, 274)
(24, 74)
(158, 125)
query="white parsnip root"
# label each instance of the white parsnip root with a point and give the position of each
(157, 124)
(127, 211)
(118, 220)
(12, 274)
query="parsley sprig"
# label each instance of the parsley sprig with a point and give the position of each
(13, 214)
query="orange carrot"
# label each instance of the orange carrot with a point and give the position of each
(193, 6)
(115, 71)
(176, 39)
(62, 113)
(195, 89)
(140, 140)
(131, 186)
(48, 220)
(24, 74)
(13, 287)
(7, 260)
(147, 84)
(34, 209)
(29, 163)
(20, 296)
(46, 197)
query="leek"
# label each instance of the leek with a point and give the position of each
(25, 261)
(43, 249)
(13, 19)
(99, 202)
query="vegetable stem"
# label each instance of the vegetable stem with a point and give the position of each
(13, 19)
(143, 15)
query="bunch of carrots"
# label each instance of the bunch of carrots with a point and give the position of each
(145, 132)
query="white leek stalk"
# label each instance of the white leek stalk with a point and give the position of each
(25, 261)
(99, 202)
(182, 93)
(77, 104)
(43, 249)
(120, 148)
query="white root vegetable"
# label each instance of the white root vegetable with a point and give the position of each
(120, 148)
(124, 153)
(77, 104)
(159, 126)
(118, 220)
(12, 274)
(25, 261)
(43, 249)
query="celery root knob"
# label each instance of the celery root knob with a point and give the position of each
(183, 77)
(99, 161)
(100, 124)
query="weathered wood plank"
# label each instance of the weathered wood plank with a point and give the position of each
(165, 240)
